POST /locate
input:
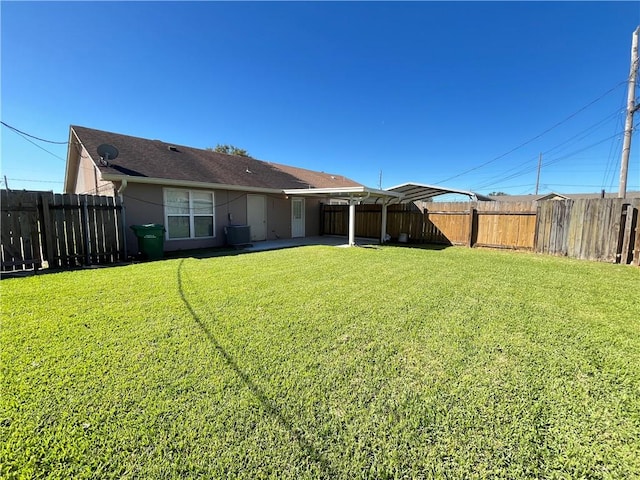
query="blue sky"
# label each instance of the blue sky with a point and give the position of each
(461, 94)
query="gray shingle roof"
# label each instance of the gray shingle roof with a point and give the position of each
(140, 157)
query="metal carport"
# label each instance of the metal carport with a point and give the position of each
(404, 193)
(353, 196)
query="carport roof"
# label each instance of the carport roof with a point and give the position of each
(361, 194)
(412, 192)
(407, 192)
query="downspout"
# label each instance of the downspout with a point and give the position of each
(121, 190)
(95, 177)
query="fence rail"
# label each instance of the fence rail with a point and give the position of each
(42, 229)
(595, 229)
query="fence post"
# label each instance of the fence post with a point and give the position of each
(536, 227)
(634, 231)
(383, 223)
(46, 228)
(619, 257)
(636, 250)
(625, 248)
(84, 219)
(473, 222)
(26, 227)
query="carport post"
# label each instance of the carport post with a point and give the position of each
(383, 223)
(352, 223)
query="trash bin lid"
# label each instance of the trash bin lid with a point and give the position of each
(148, 226)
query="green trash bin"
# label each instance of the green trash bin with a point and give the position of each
(150, 240)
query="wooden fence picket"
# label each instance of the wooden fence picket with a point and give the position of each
(98, 220)
(21, 246)
(42, 229)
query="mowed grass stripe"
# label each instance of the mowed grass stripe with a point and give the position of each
(321, 362)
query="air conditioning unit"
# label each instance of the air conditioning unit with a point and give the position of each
(238, 234)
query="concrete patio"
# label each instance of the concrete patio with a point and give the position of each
(329, 240)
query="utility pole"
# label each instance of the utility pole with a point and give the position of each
(631, 108)
(538, 178)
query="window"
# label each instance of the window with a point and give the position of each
(189, 213)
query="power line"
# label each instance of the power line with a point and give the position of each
(586, 148)
(581, 135)
(518, 186)
(524, 169)
(537, 136)
(615, 149)
(577, 185)
(32, 136)
(34, 181)
(40, 147)
(613, 162)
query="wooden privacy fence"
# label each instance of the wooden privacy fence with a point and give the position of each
(42, 229)
(596, 229)
(495, 224)
(482, 224)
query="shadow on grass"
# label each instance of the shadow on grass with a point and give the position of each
(204, 253)
(232, 251)
(272, 409)
(211, 252)
(420, 246)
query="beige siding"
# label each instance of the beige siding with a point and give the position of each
(88, 177)
(144, 204)
(312, 216)
(278, 217)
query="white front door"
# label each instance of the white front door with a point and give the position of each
(257, 217)
(297, 217)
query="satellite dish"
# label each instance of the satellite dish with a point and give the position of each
(107, 152)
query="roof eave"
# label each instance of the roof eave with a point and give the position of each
(68, 188)
(343, 192)
(167, 182)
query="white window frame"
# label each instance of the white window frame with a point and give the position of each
(192, 215)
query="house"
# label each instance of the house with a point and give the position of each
(196, 193)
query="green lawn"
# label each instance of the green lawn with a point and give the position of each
(323, 362)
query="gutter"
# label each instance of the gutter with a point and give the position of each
(186, 183)
(121, 190)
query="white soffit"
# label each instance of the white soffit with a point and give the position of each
(364, 194)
